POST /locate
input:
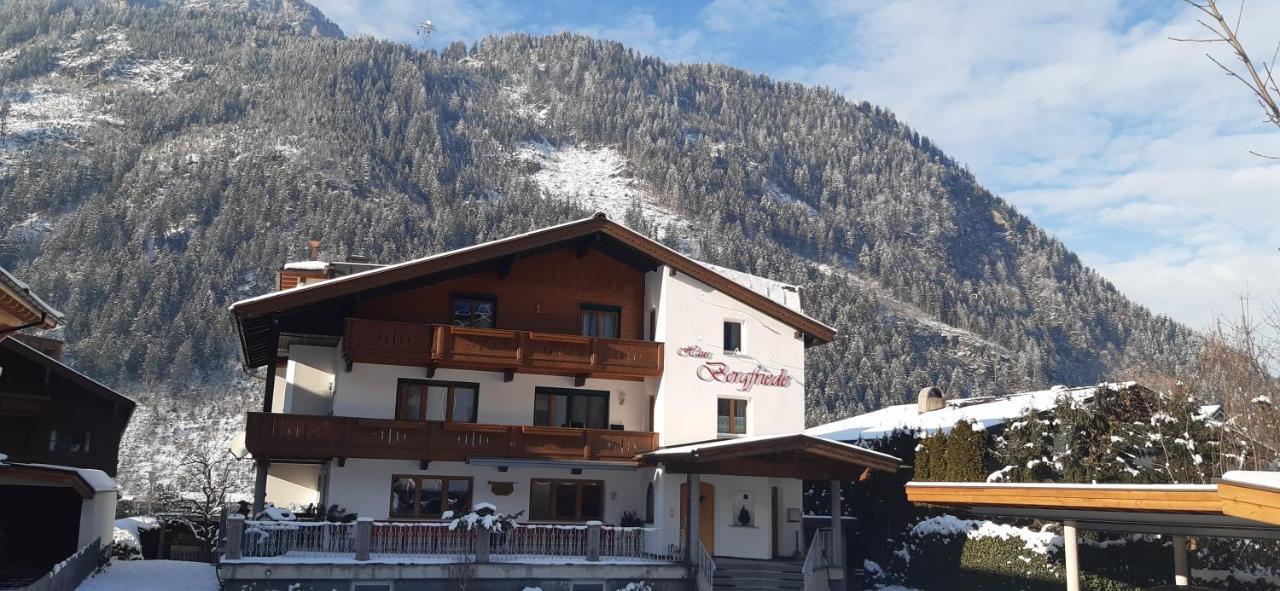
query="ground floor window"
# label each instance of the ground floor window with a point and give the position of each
(563, 407)
(428, 497)
(566, 500)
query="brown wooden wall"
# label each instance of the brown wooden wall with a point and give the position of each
(541, 293)
(61, 405)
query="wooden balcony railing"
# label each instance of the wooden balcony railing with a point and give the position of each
(488, 349)
(306, 437)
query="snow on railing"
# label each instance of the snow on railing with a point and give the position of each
(420, 538)
(264, 539)
(297, 538)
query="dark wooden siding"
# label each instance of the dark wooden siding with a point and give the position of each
(541, 293)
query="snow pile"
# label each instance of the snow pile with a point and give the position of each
(1039, 542)
(154, 575)
(597, 180)
(484, 516)
(127, 530)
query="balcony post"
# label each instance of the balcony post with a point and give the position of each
(364, 537)
(233, 547)
(837, 535)
(593, 541)
(483, 541)
(260, 487)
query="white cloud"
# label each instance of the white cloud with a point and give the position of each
(736, 16)
(398, 19)
(1084, 114)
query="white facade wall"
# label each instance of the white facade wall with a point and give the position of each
(364, 486)
(731, 539)
(309, 379)
(97, 518)
(293, 485)
(691, 314)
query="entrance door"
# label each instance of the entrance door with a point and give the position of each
(706, 514)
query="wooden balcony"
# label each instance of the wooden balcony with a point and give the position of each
(488, 349)
(303, 437)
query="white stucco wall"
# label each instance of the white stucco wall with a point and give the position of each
(97, 518)
(308, 378)
(364, 486)
(730, 539)
(692, 314)
(369, 390)
(293, 485)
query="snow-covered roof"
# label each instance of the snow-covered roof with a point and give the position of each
(1067, 486)
(783, 293)
(307, 266)
(1264, 480)
(984, 412)
(96, 479)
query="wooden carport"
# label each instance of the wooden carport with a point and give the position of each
(1241, 505)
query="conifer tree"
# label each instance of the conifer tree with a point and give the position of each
(965, 453)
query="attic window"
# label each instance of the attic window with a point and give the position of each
(732, 336)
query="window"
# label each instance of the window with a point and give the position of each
(477, 311)
(566, 500)
(732, 336)
(69, 441)
(600, 321)
(418, 400)
(583, 409)
(731, 416)
(428, 497)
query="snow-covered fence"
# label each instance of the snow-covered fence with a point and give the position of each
(299, 539)
(293, 539)
(68, 574)
(421, 538)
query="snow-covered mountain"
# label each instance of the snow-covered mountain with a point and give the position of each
(160, 160)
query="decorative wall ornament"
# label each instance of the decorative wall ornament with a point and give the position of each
(501, 489)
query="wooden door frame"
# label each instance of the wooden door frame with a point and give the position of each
(707, 510)
(775, 529)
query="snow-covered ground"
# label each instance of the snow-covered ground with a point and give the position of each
(154, 575)
(596, 178)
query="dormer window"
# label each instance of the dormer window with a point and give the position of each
(732, 336)
(475, 311)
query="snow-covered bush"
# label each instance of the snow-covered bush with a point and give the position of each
(484, 516)
(637, 586)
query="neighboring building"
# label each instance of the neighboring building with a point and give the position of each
(932, 412)
(59, 437)
(577, 373)
(20, 308)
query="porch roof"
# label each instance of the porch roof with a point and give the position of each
(85, 481)
(792, 455)
(1242, 505)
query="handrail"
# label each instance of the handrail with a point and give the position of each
(817, 557)
(706, 568)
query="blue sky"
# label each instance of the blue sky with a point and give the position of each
(1131, 148)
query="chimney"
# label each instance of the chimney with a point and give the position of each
(315, 249)
(931, 398)
(49, 346)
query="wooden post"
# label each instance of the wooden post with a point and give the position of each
(1069, 543)
(260, 487)
(1181, 573)
(364, 537)
(233, 548)
(694, 481)
(837, 535)
(593, 541)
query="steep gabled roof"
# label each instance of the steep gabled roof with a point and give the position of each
(257, 330)
(56, 367)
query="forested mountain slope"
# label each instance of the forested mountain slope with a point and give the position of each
(160, 160)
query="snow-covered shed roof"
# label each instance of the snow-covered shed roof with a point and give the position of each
(982, 411)
(85, 480)
(783, 293)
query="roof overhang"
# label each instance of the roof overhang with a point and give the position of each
(1137, 508)
(262, 319)
(775, 456)
(21, 308)
(49, 475)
